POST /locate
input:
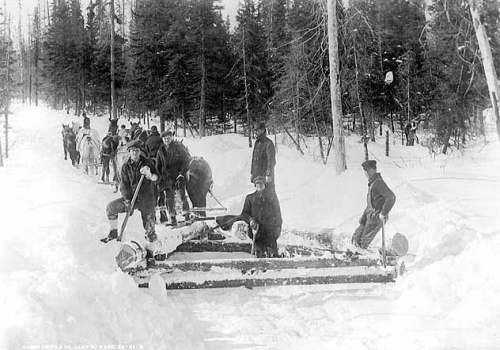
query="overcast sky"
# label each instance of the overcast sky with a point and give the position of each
(230, 8)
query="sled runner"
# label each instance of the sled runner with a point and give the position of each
(297, 265)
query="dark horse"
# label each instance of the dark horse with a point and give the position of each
(113, 126)
(198, 182)
(65, 132)
(69, 143)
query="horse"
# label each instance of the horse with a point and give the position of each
(76, 127)
(65, 131)
(198, 182)
(89, 147)
(70, 146)
(108, 150)
(89, 151)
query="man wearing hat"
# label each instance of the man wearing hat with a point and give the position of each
(131, 172)
(172, 162)
(379, 202)
(262, 213)
(264, 157)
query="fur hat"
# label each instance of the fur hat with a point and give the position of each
(135, 144)
(167, 133)
(369, 164)
(260, 179)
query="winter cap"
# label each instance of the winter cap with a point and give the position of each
(154, 128)
(369, 164)
(260, 179)
(167, 133)
(134, 144)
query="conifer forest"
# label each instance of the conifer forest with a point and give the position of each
(181, 60)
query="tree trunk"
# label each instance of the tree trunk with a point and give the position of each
(338, 137)
(203, 87)
(387, 143)
(1, 153)
(361, 111)
(162, 121)
(183, 113)
(114, 115)
(488, 64)
(246, 94)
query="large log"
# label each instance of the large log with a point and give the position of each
(262, 264)
(258, 278)
(196, 246)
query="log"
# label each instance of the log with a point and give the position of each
(225, 279)
(196, 246)
(250, 263)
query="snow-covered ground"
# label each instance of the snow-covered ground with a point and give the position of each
(61, 288)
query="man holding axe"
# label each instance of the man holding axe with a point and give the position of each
(138, 176)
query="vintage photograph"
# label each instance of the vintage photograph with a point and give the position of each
(249, 174)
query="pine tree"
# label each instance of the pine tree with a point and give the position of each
(208, 41)
(250, 48)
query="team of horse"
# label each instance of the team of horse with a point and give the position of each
(84, 146)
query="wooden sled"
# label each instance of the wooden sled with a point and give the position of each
(304, 266)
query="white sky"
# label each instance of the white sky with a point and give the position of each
(28, 6)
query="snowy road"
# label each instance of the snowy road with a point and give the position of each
(61, 287)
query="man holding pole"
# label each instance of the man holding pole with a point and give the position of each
(138, 176)
(379, 201)
(262, 213)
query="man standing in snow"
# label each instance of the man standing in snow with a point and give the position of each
(131, 173)
(380, 199)
(263, 158)
(86, 121)
(262, 213)
(172, 161)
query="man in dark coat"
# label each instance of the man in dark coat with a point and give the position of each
(172, 162)
(153, 143)
(131, 173)
(86, 121)
(262, 213)
(263, 158)
(380, 200)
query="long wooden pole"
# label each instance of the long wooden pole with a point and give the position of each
(338, 137)
(112, 48)
(131, 209)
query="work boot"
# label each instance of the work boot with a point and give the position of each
(163, 216)
(113, 234)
